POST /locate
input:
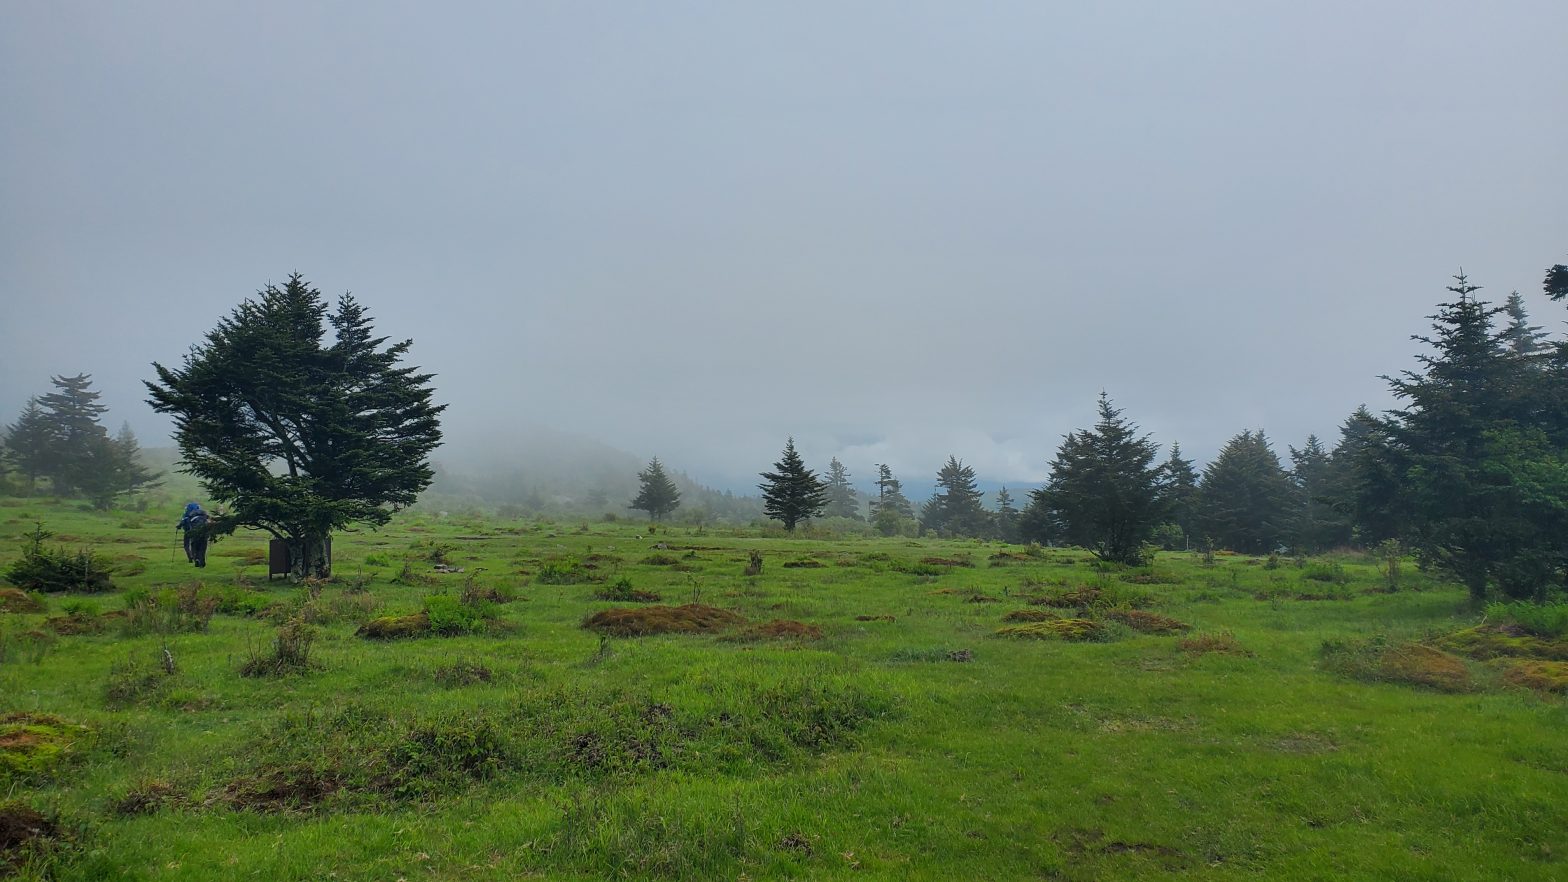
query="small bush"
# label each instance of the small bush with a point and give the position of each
(623, 592)
(188, 608)
(1326, 572)
(55, 570)
(660, 560)
(566, 572)
(450, 615)
(290, 653)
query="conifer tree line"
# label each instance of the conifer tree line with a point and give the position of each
(59, 439)
(1470, 472)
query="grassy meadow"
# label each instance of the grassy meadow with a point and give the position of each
(1303, 724)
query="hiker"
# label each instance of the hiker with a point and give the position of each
(195, 526)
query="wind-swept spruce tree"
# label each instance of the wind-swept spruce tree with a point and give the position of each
(1246, 502)
(296, 434)
(792, 493)
(1005, 522)
(891, 511)
(77, 440)
(842, 499)
(1104, 490)
(657, 495)
(956, 509)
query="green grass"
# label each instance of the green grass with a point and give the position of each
(519, 745)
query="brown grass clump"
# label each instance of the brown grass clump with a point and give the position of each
(1542, 676)
(395, 627)
(1202, 644)
(147, 797)
(1030, 615)
(781, 629)
(660, 560)
(691, 618)
(1076, 630)
(947, 561)
(1083, 597)
(15, 600)
(1147, 622)
(76, 624)
(807, 564)
(865, 618)
(977, 597)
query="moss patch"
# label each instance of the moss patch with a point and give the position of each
(396, 627)
(1224, 643)
(1502, 641)
(1030, 615)
(32, 744)
(1078, 630)
(1412, 664)
(1542, 676)
(690, 618)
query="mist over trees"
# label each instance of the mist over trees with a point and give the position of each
(59, 437)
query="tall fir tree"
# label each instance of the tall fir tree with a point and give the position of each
(1520, 338)
(843, 502)
(1005, 521)
(956, 509)
(77, 439)
(29, 444)
(891, 512)
(1104, 492)
(1246, 502)
(657, 494)
(792, 493)
(1318, 526)
(116, 469)
(1483, 491)
(1179, 492)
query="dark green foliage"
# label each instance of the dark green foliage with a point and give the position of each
(448, 615)
(1473, 470)
(1318, 525)
(657, 496)
(1556, 282)
(1246, 500)
(891, 511)
(1104, 492)
(955, 510)
(841, 497)
(59, 437)
(297, 436)
(54, 570)
(1179, 494)
(1005, 521)
(792, 493)
(29, 444)
(1548, 620)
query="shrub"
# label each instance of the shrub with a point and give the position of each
(170, 611)
(290, 653)
(1542, 620)
(623, 592)
(450, 615)
(395, 627)
(55, 570)
(1326, 572)
(135, 681)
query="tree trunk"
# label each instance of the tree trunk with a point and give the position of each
(310, 556)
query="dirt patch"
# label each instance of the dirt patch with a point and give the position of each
(1224, 643)
(660, 560)
(23, 829)
(691, 618)
(15, 600)
(781, 629)
(796, 842)
(1502, 641)
(1076, 630)
(395, 627)
(1542, 676)
(294, 788)
(982, 598)
(864, 618)
(76, 624)
(1147, 622)
(960, 655)
(1084, 842)
(1030, 615)
(947, 561)
(807, 564)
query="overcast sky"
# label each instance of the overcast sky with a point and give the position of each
(894, 230)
